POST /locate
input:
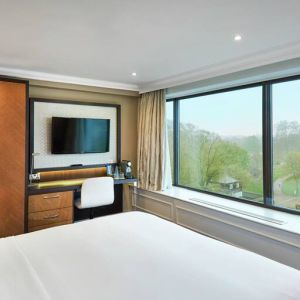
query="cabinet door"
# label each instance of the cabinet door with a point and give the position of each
(13, 96)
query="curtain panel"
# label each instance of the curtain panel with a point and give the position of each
(151, 140)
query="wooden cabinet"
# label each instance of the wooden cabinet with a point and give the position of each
(50, 201)
(13, 147)
(49, 210)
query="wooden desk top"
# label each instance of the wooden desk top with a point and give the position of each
(65, 185)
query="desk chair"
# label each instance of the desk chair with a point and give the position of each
(96, 192)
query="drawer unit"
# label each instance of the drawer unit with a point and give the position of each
(50, 201)
(49, 217)
(49, 210)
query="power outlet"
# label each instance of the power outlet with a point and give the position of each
(34, 176)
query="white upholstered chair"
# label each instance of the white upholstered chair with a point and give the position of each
(96, 192)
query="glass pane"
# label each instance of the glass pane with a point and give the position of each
(221, 143)
(169, 113)
(286, 144)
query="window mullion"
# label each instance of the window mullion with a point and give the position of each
(176, 141)
(267, 145)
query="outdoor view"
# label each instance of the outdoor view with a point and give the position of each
(286, 144)
(220, 144)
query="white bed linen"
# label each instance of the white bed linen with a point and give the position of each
(136, 256)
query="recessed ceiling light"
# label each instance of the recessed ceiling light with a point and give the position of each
(133, 74)
(237, 37)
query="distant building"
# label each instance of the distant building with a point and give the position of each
(230, 186)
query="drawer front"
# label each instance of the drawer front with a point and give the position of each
(35, 228)
(50, 201)
(50, 217)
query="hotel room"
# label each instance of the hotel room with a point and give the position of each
(150, 150)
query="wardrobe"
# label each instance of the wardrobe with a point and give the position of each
(13, 155)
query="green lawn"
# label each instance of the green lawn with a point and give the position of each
(254, 186)
(289, 187)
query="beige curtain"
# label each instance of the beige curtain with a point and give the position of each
(151, 140)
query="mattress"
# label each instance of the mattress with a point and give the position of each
(136, 256)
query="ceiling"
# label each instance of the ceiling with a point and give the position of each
(166, 42)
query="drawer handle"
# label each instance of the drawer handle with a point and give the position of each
(51, 217)
(53, 196)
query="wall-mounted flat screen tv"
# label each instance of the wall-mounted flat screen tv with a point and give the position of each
(79, 135)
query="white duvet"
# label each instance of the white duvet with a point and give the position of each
(136, 256)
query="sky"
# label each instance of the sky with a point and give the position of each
(239, 113)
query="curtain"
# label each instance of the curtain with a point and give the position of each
(152, 144)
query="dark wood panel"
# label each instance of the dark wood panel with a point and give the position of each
(12, 157)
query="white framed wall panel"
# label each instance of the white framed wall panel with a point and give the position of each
(271, 242)
(161, 208)
(43, 113)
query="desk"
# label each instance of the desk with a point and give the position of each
(67, 185)
(52, 203)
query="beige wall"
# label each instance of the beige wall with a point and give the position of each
(127, 99)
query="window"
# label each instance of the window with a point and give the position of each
(286, 144)
(241, 143)
(220, 143)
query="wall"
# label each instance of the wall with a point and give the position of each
(271, 242)
(43, 113)
(127, 99)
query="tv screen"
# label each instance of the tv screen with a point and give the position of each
(74, 135)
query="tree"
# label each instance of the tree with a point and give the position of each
(205, 158)
(292, 164)
(222, 158)
(286, 139)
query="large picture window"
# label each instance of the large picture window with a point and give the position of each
(286, 144)
(241, 143)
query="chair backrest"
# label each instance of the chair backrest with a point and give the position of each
(97, 192)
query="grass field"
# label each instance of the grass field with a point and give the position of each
(254, 186)
(289, 187)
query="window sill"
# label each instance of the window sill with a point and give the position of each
(276, 219)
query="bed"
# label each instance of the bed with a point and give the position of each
(136, 256)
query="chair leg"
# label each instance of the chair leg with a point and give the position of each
(91, 213)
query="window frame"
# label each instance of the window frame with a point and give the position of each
(267, 141)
